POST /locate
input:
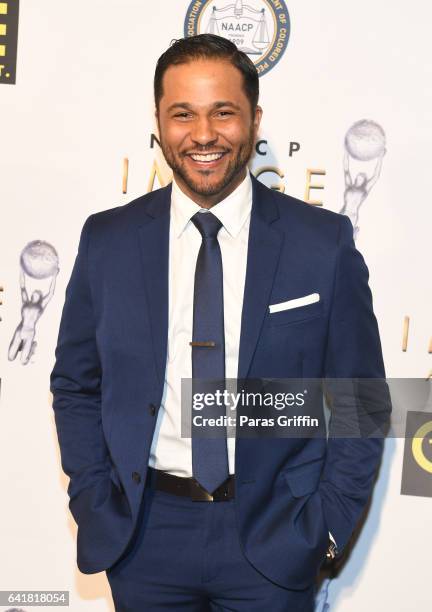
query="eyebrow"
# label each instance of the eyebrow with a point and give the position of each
(216, 105)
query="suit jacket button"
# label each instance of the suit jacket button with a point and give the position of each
(136, 477)
(152, 409)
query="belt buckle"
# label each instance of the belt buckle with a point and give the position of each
(198, 493)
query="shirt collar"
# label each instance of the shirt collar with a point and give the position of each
(232, 211)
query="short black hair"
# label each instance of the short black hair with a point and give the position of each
(207, 46)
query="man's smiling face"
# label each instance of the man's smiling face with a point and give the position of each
(207, 128)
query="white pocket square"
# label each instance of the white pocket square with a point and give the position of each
(295, 303)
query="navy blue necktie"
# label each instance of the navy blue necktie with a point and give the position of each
(209, 454)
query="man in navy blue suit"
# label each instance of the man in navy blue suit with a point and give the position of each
(218, 276)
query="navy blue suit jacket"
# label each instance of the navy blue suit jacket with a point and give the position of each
(109, 375)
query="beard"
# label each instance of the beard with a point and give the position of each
(205, 187)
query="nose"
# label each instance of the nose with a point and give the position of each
(203, 131)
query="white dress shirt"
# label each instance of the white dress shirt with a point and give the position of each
(169, 451)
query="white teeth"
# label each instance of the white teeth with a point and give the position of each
(207, 158)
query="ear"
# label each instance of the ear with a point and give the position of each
(257, 117)
(156, 114)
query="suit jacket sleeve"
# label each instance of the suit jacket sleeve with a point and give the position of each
(353, 352)
(75, 382)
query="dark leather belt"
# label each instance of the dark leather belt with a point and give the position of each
(189, 487)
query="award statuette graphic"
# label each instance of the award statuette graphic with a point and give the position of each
(39, 260)
(365, 141)
(259, 28)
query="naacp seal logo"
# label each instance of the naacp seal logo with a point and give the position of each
(260, 28)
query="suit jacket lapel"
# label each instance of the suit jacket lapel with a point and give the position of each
(154, 243)
(264, 250)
